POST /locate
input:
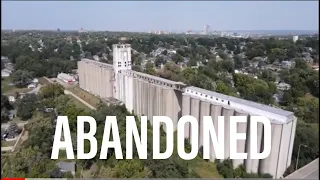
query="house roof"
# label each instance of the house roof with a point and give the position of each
(66, 166)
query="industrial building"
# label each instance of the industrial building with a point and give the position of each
(66, 78)
(149, 95)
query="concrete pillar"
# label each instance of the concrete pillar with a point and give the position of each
(177, 111)
(152, 101)
(92, 75)
(204, 111)
(216, 111)
(99, 81)
(94, 80)
(131, 93)
(195, 110)
(108, 84)
(79, 64)
(89, 75)
(241, 144)
(103, 82)
(140, 99)
(126, 91)
(252, 165)
(110, 80)
(227, 113)
(270, 164)
(161, 100)
(292, 136)
(83, 72)
(149, 113)
(145, 98)
(168, 105)
(134, 89)
(156, 103)
(284, 148)
(186, 102)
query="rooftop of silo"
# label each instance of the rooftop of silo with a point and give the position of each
(157, 78)
(243, 101)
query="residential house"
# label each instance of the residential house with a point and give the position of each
(67, 167)
(262, 64)
(5, 73)
(286, 64)
(283, 86)
(278, 97)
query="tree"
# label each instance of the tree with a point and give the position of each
(159, 60)
(177, 58)
(276, 54)
(189, 74)
(267, 75)
(129, 169)
(308, 109)
(5, 104)
(149, 69)
(307, 134)
(26, 106)
(222, 88)
(52, 91)
(21, 78)
(300, 63)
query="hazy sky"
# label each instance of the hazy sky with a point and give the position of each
(156, 15)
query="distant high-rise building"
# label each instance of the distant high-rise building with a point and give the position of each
(58, 29)
(206, 29)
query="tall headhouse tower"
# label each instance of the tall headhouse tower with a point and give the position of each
(121, 62)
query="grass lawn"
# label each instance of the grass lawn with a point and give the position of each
(43, 81)
(11, 89)
(79, 104)
(63, 156)
(204, 169)
(89, 98)
(7, 143)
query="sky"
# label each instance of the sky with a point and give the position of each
(160, 15)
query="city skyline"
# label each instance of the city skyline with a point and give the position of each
(166, 15)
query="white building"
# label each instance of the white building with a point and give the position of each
(11, 98)
(66, 78)
(5, 73)
(295, 38)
